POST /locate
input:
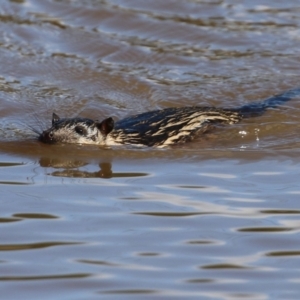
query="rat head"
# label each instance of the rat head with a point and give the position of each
(77, 131)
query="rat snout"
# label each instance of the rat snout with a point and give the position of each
(47, 137)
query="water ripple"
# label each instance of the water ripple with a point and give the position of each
(41, 245)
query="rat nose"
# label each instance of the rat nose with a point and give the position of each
(46, 137)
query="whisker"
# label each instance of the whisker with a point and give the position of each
(33, 129)
(36, 126)
(38, 121)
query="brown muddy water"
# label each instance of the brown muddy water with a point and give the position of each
(218, 218)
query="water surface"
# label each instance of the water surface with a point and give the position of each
(214, 219)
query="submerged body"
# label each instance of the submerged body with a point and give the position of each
(155, 128)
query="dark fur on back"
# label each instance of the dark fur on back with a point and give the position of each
(155, 128)
(171, 125)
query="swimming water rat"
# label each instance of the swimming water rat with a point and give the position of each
(159, 128)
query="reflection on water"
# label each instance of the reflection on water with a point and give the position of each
(69, 171)
(214, 219)
(7, 247)
(47, 277)
(142, 229)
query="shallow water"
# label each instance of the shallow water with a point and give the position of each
(217, 218)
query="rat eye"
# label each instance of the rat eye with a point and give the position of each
(80, 130)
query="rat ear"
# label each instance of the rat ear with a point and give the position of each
(106, 126)
(55, 118)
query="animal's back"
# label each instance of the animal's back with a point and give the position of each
(170, 126)
(155, 128)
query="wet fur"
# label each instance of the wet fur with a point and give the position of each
(155, 128)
